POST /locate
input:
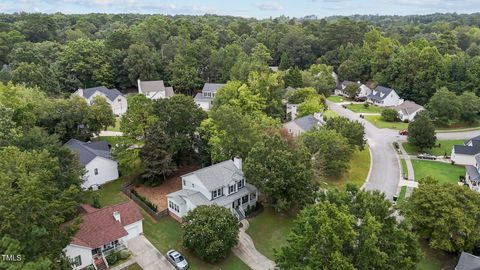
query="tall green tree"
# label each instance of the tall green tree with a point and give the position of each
(100, 115)
(445, 215)
(353, 131)
(293, 78)
(141, 63)
(470, 106)
(138, 117)
(444, 107)
(349, 229)
(331, 147)
(281, 169)
(210, 232)
(421, 132)
(157, 155)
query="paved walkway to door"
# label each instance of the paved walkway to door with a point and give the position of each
(246, 251)
(146, 255)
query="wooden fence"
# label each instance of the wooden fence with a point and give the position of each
(126, 189)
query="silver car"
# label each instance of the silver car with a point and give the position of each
(177, 260)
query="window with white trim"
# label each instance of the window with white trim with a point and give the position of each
(95, 171)
(173, 206)
(217, 193)
(241, 184)
(253, 196)
(232, 189)
(77, 261)
(245, 199)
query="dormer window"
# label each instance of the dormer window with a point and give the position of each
(241, 184)
(217, 193)
(232, 189)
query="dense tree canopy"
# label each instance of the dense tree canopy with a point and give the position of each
(349, 229)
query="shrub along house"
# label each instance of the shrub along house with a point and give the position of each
(205, 98)
(221, 184)
(102, 232)
(117, 101)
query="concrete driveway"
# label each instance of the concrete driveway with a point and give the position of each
(146, 255)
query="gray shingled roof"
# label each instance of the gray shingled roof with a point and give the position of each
(87, 151)
(308, 122)
(197, 198)
(378, 93)
(212, 87)
(468, 261)
(111, 94)
(201, 97)
(408, 107)
(218, 175)
(152, 86)
(468, 150)
(473, 173)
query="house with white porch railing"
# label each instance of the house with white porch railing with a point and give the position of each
(102, 232)
(221, 184)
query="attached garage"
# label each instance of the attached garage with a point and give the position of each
(134, 230)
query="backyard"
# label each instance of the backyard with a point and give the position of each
(377, 121)
(357, 173)
(443, 172)
(116, 127)
(269, 231)
(166, 233)
(435, 259)
(361, 108)
(444, 147)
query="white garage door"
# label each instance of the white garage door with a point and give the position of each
(132, 232)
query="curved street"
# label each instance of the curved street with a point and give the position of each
(385, 166)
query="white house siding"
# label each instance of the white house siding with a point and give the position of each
(293, 129)
(72, 251)
(408, 117)
(133, 230)
(463, 159)
(205, 105)
(107, 171)
(155, 95)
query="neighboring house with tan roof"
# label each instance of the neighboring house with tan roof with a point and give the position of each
(154, 89)
(205, 98)
(303, 124)
(102, 232)
(114, 98)
(362, 90)
(95, 157)
(408, 110)
(222, 184)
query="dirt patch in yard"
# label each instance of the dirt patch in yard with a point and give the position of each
(158, 195)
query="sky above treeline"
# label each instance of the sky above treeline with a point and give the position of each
(244, 8)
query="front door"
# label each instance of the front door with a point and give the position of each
(236, 204)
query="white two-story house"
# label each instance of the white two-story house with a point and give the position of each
(384, 97)
(205, 98)
(465, 154)
(221, 184)
(95, 157)
(117, 101)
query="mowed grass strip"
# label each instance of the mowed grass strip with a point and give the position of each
(443, 172)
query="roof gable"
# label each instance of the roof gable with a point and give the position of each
(111, 94)
(380, 93)
(88, 151)
(99, 226)
(151, 86)
(217, 175)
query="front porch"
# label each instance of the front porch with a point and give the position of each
(99, 254)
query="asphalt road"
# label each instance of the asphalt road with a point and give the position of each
(385, 168)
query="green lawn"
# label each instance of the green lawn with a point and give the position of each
(404, 167)
(378, 122)
(435, 259)
(113, 140)
(329, 114)
(166, 233)
(269, 231)
(360, 108)
(443, 172)
(336, 99)
(445, 147)
(117, 125)
(358, 172)
(134, 266)
(401, 196)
